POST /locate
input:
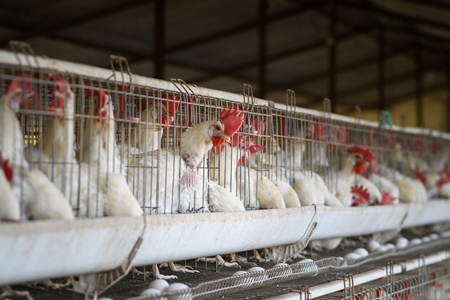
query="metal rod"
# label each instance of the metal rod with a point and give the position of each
(380, 70)
(67, 23)
(277, 56)
(262, 48)
(159, 38)
(419, 88)
(332, 41)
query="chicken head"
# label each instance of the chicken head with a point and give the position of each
(19, 92)
(58, 92)
(250, 149)
(101, 102)
(165, 112)
(232, 120)
(362, 157)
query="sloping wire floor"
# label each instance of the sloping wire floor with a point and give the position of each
(132, 285)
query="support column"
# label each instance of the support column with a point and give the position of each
(159, 39)
(262, 49)
(332, 54)
(382, 105)
(419, 88)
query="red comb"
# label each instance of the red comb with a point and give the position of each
(386, 199)
(6, 168)
(58, 102)
(242, 160)
(283, 126)
(360, 195)
(23, 81)
(101, 101)
(171, 103)
(421, 176)
(235, 140)
(444, 180)
(251, 149)
(232, 120)
(255, 148)
(318, 131)
(435, 147)
(374, 166)
(366, 153)
(20, 81)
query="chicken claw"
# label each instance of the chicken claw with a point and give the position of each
(220, 261)
(179, 268)
(158, 275)
(137, 272)
(49, 284)
(8, 291)
(258, 257)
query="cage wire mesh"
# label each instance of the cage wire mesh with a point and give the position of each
(89, 134)
(149, 123)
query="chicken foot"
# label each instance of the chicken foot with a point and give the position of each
(137, 272)
(49, 284)
(220, 261)
(154, 272)
(8, 291)
(257, 257)
(158, 275)
(179, 268)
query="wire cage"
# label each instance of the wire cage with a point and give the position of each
(430, 284)
(85, 143)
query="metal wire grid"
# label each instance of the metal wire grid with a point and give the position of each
(307, 271)
(431, 284)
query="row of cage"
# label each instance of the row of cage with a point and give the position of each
(65, 122)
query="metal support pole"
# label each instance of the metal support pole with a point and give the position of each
(262, 49)
(447, 103)
(159, 38)
(419, 88)
(380, 71)
(332, 43)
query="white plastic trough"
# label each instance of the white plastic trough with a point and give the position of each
(49, 249)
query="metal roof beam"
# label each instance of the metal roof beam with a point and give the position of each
(371, 85)
(344, 68)
(281, 55)
(58, 26)
(393, 15)
(437, 4)
(229, 31)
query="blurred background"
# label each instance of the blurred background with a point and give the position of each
(377, 54)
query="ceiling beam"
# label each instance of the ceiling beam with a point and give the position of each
(437, 4)
(393, 15)
(372, 36)
(58, 26)
(344, 68)
(410, 95)
(230, 31)
(278, 56)
(371, 85)
(396, 99)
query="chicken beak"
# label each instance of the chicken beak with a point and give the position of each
(224, 136)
